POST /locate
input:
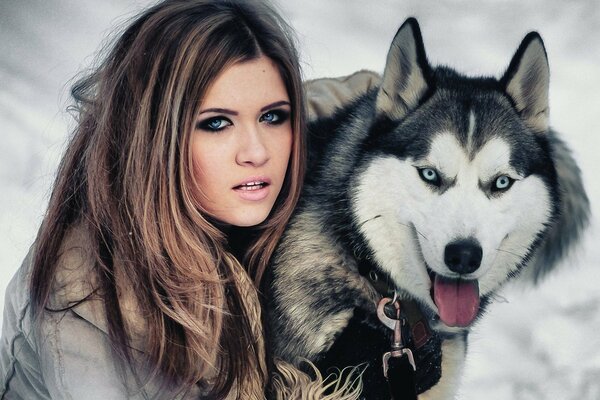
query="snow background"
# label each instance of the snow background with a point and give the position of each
(535, 343)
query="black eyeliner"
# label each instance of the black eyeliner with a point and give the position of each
(283, 115)
(204, 124)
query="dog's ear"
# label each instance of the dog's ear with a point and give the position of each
(406, 70)
(527, 80)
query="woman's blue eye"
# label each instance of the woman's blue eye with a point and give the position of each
(213, 124)
(430, 175)
(274, 117)
(502, 183)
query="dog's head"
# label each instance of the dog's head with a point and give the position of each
(456, 185)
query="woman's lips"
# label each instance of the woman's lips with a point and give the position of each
(253, 189)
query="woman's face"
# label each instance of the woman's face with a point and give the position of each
(241, 143)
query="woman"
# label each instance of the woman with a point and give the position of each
(188, 151)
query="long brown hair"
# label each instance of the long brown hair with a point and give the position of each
(127, 173)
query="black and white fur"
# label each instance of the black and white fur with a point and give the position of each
(428, 159)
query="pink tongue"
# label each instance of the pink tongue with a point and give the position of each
(457, 300)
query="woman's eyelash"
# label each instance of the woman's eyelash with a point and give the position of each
(275, 117)
(213, 124)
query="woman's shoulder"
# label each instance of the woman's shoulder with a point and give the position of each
(77, 286)
(72, 335)
(74, 278)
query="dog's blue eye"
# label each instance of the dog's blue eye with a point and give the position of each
(430, 176)
(502, 183)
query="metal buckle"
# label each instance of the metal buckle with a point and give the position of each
(398, 353)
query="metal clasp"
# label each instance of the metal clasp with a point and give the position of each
(396, 324)
(387, 321)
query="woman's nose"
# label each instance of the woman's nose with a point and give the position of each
(252, 149)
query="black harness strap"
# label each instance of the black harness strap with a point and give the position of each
(401, 379)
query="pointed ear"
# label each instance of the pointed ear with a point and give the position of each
(406, 70)
(527, 80)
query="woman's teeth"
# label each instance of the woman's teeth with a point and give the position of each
(252, 186)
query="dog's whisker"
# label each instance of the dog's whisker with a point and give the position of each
(369, 220)
(497, 298)
(399, 223)
(509, 252)
(416, 230)
(420, 234)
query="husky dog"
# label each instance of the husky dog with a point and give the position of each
(434, 186)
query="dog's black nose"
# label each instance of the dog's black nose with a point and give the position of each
(463, 256)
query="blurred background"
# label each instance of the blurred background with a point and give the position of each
(535, 343)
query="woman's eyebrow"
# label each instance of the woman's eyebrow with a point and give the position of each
(220, 111)
(276, 104)
(232, 112)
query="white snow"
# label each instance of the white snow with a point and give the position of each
(535, 343)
